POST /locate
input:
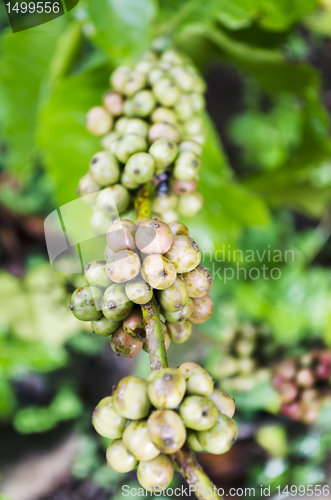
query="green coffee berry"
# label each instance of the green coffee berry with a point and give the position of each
(134, 326)
(135, 81)
(153, 236)
(119, 458)
(113, 200)
(140, 167)
(174, 297)
(144, 66)
(181, 314)
(137, 441)
(95, 274)
(115, 304)
(180, 332)
(98, 121)
(197, 101)
(198, 413)
(136, 126)
(190, 205)
(166, 91)
(166, 430)
(109, 140)
(85, 303)
(183, 77)
(104, 327)
(220, 437)
(123, 266)
(155, 474)
(190, 145)
(187, 367)
(173, 57)
(164, 152)
(169, 216)
(183, 188)
(167, 389)
(198, 282)
(163, 131)
(143, 103)
(106, 421)
(131, 398)
(113, 102)
(194, 127)
(155, 74)
(104, 168)
(127, 145)
(164, 202)
(121, 234)
(124, 345)
(139, 291)
(178, 229)
(203, 308)
(223, 402)
(187, 166)
(128, 183)
(184, 107)
(99, 222)
(199, 382)
(158, 272)
(118, 77)
(184, 254)
(88, 186)
(192, 440)
(161, 115)
(108, 253)
(121, 124)
(244, 347)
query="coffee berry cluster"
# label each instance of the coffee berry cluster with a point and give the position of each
(143, 259)
(246, 353)
(304, 383)
(151, 419)
(152, 131)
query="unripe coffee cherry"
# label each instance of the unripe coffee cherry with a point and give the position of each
(166, 91)
(108, 140)
(108, 253)
(164, 152)
(220, 437)
(167, 389)
(198, 282)
(144, 66)
(140, 167)
(94, 274)
(178, 229)
(183, 188)
(192, 440)
(169, 216)
(119, 76)
(143, 103)
(180, 332)
(136, 126)
(198, 413)
(124, 345)
(155, 474)
(123, 266)
(115, 304)
(131, 398)
(187, 166)
(135, 81)
(203, 308)
(128, 144)
(174, 297)
(166, 430)
(187, 367)
(153, 236)
(113, 200)
(164, 202)
(198, 381)
(113, 102)
(154, 75)
(158, 272)
(194, 126)
(139, 291)
(119, 458)
(98, 121)
(104, 327)
(173, 56)
(161, 115)
(190, 205)
(184, 108)
(106, 421)
(190, 145)
(121, 234)
(121, 124)
(137, 441)
(167, 131)
(99, 222)
(305, 378)
(183, 77)
(128, 182)
(184, 254)
(223, 402)
(85, 303)
(104, 168)
(181, 314)
(88, 186)
(134, 326)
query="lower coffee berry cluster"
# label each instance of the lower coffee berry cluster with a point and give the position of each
(144, 259)
(304, 383)
(152, 131)
(153, 418)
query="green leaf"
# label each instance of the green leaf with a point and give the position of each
(279, 15)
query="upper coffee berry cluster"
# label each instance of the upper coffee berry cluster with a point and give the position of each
(304, 383)
(150, 419)
(152, 131)
(141, 258)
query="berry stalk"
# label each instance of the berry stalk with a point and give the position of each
(154, 335)
(142, 203)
